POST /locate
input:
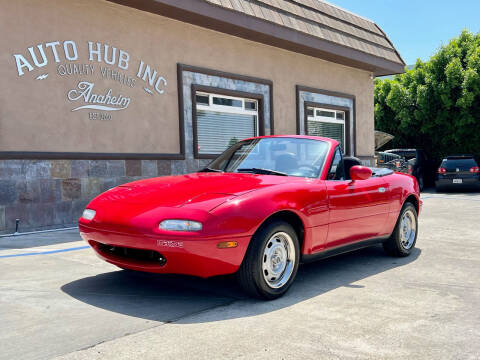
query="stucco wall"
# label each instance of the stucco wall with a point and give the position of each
(36, 111)
(35, 115)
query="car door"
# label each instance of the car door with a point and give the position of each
(357, 210)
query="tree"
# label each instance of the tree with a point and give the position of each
(232, 141)
(436, 105)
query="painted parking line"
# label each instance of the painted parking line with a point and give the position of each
(45, 252)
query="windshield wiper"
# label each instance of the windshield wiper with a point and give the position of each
(262, 171)
(208, 169)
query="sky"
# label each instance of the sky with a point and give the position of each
(418, 28)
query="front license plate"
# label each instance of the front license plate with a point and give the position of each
(457, 181)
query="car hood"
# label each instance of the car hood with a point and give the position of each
(199, 190)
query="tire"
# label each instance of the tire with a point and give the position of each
(271, 261)
(404, 237)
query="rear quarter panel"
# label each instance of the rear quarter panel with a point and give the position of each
(401, 187)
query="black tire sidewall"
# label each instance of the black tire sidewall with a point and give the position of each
(260, 242)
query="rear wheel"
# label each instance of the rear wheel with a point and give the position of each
(402, 241)
(271, 262)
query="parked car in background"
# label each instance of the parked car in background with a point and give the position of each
(458, 172)
(418, 164)
(391, 161)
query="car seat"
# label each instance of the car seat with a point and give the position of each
(286, 163)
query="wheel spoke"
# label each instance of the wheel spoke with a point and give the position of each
(407, 229)
(277, 260)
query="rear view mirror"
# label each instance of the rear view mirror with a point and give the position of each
(358, 172)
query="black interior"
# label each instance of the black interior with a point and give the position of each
(286, 163)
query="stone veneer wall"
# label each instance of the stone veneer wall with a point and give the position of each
(46, 194)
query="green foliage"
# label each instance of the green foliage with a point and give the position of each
(436, 105)
(232, 141)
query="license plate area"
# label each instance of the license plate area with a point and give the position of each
(457, 181)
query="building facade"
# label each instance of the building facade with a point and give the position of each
(97, 93)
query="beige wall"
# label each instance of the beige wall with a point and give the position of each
(35, 115)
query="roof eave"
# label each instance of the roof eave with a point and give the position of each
(216, 18)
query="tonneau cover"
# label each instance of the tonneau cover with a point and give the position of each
(379, 172)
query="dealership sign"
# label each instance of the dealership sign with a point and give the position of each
(104, 61)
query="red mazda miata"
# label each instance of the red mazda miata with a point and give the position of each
(260, 209)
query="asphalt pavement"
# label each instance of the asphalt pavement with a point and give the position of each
(58, 300)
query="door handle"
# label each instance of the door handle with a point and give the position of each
(381, 190)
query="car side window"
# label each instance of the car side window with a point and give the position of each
(336, 171)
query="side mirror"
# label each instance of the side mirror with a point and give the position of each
(358, 172)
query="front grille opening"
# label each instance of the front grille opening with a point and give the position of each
(149, 256)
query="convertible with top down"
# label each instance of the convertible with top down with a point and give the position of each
(260, 209)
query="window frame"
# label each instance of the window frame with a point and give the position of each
(347, 136)
(228, 94)
(331, 164)
(225, 108)
(326, 119)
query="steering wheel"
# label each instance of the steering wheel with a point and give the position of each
(309, 171)
(311, 167)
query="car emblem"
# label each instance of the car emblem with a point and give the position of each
(171, 244)
(458, 169)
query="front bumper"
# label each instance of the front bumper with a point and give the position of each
(166, 255)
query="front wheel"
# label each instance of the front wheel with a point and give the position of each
(271, 262)
(402, 241)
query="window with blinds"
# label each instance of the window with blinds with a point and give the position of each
(224, 120)
(327, 123)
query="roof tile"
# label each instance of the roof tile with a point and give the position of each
(319, 19)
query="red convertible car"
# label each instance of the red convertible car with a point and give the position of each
(260, 209)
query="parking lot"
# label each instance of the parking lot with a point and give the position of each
(58, 300)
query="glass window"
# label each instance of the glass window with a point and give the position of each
(274, 156)
(326, 113)
(202, 99)
(327, 123)
(223, 121)
(336, 171)
(227, 101)
(250, 105)
(452, 163)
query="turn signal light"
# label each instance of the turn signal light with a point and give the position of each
(227, 244)
(475, 170)
(442, 170)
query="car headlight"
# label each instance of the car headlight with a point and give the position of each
(88, 214)
(180, 225)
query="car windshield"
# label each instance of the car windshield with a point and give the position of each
(280, 156)
(451, 164)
